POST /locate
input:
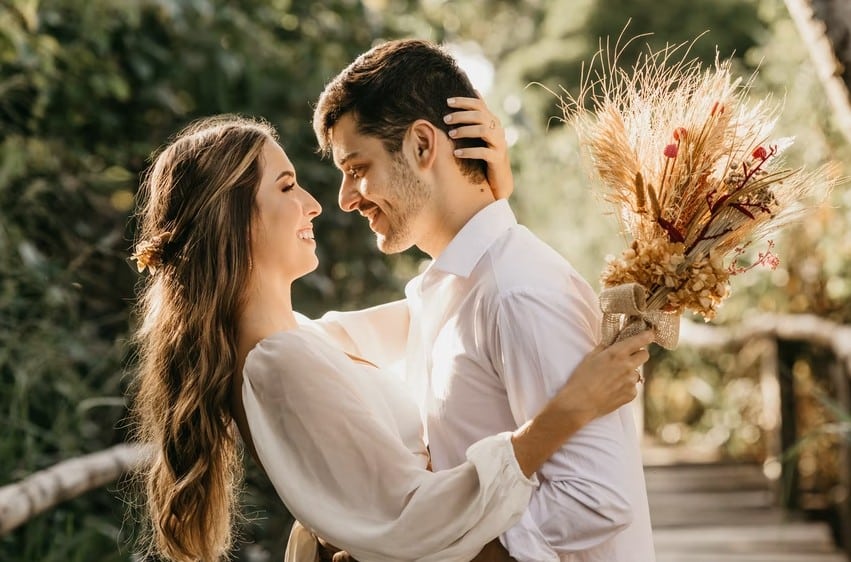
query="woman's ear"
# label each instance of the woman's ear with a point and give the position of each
(422, 138)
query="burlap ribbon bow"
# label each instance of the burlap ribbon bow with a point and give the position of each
(625, 314)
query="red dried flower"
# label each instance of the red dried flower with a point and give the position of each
(680, 133)
(671, 151)
(769, 258)
(760, 153)
(772, 261)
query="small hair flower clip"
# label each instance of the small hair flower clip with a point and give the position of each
(149, 253)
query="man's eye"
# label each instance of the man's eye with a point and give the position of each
(355, 173)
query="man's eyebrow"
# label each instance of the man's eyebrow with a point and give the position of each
(346, 157)
(285, 173)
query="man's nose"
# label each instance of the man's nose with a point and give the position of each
(349, 197)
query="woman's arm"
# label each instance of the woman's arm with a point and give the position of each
(344, 472)
(348, 477)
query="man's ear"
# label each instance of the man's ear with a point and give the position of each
(422, 141)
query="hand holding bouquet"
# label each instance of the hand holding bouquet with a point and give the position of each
(694, 175)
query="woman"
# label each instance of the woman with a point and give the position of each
(225, 230)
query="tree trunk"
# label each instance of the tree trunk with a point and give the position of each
(836, 15)
(825, 27)
(42, 490)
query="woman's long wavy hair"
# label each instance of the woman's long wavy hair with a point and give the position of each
(195, 211)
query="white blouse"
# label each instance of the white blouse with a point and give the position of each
(342, 444)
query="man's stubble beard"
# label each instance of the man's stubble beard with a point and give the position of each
(412, 194)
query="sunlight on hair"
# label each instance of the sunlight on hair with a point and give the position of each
(477, 66)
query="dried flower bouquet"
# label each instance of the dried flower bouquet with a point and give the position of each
(694, 175)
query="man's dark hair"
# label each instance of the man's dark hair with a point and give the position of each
(389, 87)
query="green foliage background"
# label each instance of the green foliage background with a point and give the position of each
(88, 88)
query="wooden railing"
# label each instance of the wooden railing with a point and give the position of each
(45, 489)
(779, 338)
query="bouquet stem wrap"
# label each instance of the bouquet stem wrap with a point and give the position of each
(625, 314)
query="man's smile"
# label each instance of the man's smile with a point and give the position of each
(372, 213)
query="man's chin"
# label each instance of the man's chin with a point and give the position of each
(389, 245)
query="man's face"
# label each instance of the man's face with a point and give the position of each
(379, 185)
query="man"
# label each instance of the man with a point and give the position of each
(498, 320)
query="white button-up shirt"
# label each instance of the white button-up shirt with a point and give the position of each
(497, 324)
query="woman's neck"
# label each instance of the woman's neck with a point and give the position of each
(267, 310)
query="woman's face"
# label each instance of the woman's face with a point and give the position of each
(281, 231)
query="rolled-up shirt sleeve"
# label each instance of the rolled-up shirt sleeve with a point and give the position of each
(582, 500)
(346, 476)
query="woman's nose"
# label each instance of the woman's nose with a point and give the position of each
(312, 207)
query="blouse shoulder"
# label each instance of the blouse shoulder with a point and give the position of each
(290, 359)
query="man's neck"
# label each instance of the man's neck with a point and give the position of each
(450, 212)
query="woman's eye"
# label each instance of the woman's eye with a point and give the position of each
(288, 187)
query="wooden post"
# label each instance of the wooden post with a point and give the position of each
(840, 378)
(787, 353)
(772, 414)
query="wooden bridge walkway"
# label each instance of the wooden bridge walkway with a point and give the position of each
(728, 513)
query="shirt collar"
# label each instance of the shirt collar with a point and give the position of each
(473, 240)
